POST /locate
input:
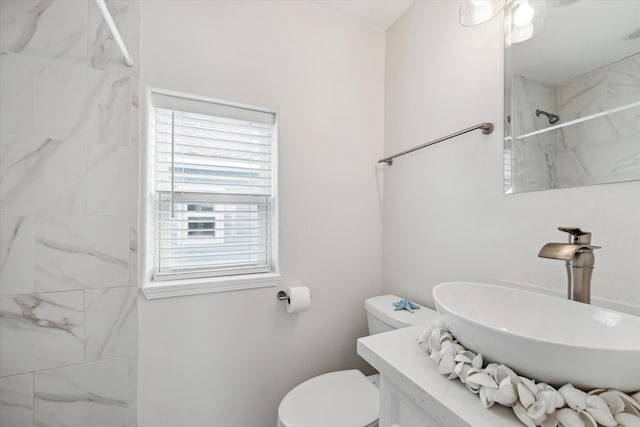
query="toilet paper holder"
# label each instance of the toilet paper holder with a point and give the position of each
(282, 296)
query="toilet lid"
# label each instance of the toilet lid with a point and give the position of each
(337, 399)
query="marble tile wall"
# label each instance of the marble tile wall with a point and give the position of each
(596, 151)
(538, 150)
(16, 400)
(604, 149)
(69, 125)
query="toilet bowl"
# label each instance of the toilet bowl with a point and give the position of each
(341, 398)
(347, 398)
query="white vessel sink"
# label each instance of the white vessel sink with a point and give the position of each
(545, 338)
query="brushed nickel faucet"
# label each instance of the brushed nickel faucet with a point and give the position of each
(578, 257)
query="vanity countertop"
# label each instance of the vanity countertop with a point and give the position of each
(398, 358)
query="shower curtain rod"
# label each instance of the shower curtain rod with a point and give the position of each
(114, 32)
(486, 128)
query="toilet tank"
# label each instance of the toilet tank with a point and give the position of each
(382, 317)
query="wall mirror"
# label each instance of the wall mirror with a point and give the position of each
(572, 96)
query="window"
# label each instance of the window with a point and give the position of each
(213, 188)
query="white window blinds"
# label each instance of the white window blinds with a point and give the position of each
(213, 189)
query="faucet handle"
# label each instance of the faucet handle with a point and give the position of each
(576, 235)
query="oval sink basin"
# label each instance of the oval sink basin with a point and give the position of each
(544, 338)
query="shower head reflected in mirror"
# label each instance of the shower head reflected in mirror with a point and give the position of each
(552, 117)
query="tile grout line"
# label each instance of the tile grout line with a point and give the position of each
(84, 327)
(33, 399)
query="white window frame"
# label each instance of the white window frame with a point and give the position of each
(153, 289)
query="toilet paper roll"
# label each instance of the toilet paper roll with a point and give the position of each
(299, 299)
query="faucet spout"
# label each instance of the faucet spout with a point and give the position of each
(563, 251)
(579, 259)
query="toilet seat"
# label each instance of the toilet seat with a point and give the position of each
(336, 399)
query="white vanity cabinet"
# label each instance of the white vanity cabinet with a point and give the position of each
(398, 409)
(414, 394)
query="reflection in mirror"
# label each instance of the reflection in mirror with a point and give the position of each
(572, 98)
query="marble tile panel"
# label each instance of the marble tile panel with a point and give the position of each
(104, 53)
(16, 255)
(74, 102)
(130, 3)
(612, 86)
(111, 323)
(133, 390)
(17, 93)
(109, 121)
(81, 252)
(42, 176)
(604, 149)
(135, 113)
(531, 95)
(63, 101)
(93, 394)
(111, 180)
(533, 160)
(41, 331)
(16, 401)
(531, 166)
(45, 28)
(133, 251)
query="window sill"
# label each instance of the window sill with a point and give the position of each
(177, 288)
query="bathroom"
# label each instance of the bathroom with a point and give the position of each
(350, 82)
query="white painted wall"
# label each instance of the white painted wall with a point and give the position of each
(227, 359)
(445, 216)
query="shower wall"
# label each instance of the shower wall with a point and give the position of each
(605, 149)
(600, 150)
(68, 190)
(539, 150)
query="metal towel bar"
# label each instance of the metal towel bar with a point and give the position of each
(486, 128)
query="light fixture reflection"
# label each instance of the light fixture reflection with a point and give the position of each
(474, 12)
(524, 19)
(522, 13)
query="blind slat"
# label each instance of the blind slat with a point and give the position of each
(241, 160)
(199, 177)
(207, 136)
(167, 214)
(181, 144)
(186, 230)
(216, 265)
(208, 220)
(208, 245)
(194, 240)
(182, 129)
(199, 256)
(164, 164)
(221, 265)
(218, 215)
(203, 188)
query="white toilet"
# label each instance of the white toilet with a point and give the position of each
(347, 398)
